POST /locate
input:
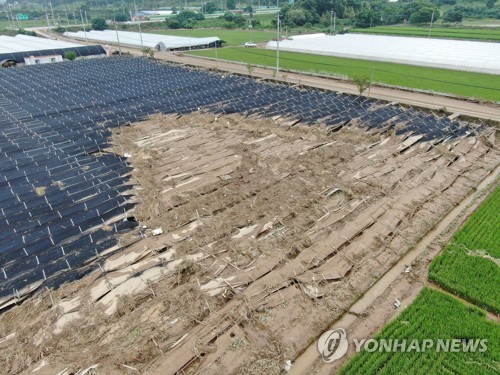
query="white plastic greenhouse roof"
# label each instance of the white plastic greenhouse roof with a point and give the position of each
(133, 39)
(25, 43)
(483, 57)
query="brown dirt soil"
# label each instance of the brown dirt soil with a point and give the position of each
(270, 233)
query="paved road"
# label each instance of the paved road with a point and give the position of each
(451, 105)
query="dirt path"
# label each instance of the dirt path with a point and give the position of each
(432, 101)
(387, 283)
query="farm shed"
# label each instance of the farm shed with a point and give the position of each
(21, 46)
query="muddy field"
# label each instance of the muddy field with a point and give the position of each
(255, 237)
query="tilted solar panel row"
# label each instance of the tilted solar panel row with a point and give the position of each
(58, 185)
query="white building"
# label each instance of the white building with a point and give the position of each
(35, 60)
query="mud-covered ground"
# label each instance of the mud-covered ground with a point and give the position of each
(268, 233)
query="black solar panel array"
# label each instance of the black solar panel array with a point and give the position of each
(56, 190)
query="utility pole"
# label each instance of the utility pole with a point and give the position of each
(8, 18)
(84, 29)
(67, 17)
(118, 39)
(430, 27)
(52, 12)
(371, 80)
(48, 23)
(331, 21)
(278, 45)
(139, 25)
(15, 20)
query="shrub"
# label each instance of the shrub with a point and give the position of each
(99, 23)
(70, 55)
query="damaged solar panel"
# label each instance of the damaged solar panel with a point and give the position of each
(64, 198)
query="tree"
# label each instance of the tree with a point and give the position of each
(231, 4)
(248, 9)
(368, 18)
(85, 7)
(424, 15)
(209, 7)
(453, 16)
(255, 23)
(185, 19)
(70, 55)
(147, 51)
(296, 17)
(99, 23)
(490, 3)
(361, 83)
(190, 15)
(250, 68)
(239, 20)
(120, 17)
(417, 6)
(172, 23)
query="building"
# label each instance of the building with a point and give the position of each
(32, 60)
(15, 50)
(155, 41)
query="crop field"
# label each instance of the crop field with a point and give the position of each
(477, 85)
(231, 37)
(484, 22)
(437, 32)
(469, 266)
(4, 24)
(434, 315)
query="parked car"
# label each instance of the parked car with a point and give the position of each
(250, 44)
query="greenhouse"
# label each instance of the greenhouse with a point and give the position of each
(156, 41)
(482, 57)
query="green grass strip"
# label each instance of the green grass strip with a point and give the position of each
(467, 84)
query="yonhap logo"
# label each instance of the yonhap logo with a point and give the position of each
(333, 345)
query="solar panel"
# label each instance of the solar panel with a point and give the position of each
(57, 186)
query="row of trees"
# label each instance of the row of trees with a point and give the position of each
(188, 19)
(367, 13)
(185, 19)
